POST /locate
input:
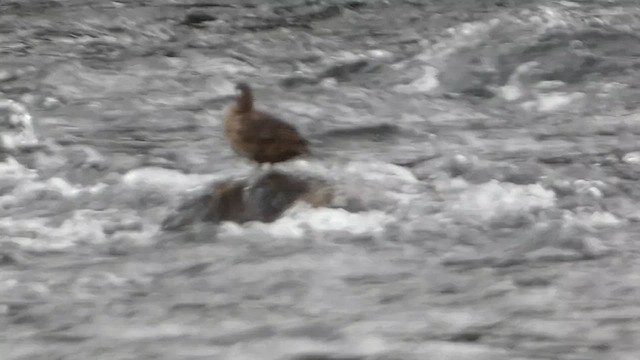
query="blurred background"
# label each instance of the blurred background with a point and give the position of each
(492, 146)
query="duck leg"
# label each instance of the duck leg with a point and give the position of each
(260, 170)
(266, 167)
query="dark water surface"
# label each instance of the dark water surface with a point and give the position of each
(494, 145)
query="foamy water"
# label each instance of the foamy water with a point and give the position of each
(512, 155)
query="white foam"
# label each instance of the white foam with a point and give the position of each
(424, 84)
(16, 126)
(326, 219)
(597, 219)
(379, 173)
(164, 179)
(41, 236)
(10, 169)
(511, 92)
(29, 188)
(632, 158)
(301, 219)
(493, 200)
(84, 226)
(557, 100)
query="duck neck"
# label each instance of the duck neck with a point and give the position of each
(245, 100)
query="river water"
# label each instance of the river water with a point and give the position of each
(492, 145)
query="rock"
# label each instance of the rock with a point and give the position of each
(10, 258)
(525, 174)
(343, 71)
(263, 199)
(318, 356)
(294, 81)
(274, 193)
(460, 164)
(191, 210)
(198, 17)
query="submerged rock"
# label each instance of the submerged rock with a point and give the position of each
(196, 18)
(263, 199)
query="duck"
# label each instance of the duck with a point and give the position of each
(259, 136)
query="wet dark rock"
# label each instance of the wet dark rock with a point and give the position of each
(314, 14)
(296, 81)
(168, 50)
(24, 316)
(512, 221)
(227, 203)
(267, 199)
(556, 159)
(343, 71)
(479, 175)
(562, 188)
(326, 357)
(417, 164)
(197, 18)
(210, 4)
(353, 5)
(378, 132)
(459, 165)
(523, 175)
(469, 260)
(8, 259)
(63, 337)
(535, 280)
(191, 210)
(467, 336)
(466, 74)
(263, 199)
(272, 24)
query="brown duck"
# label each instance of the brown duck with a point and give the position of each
(260, 136)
